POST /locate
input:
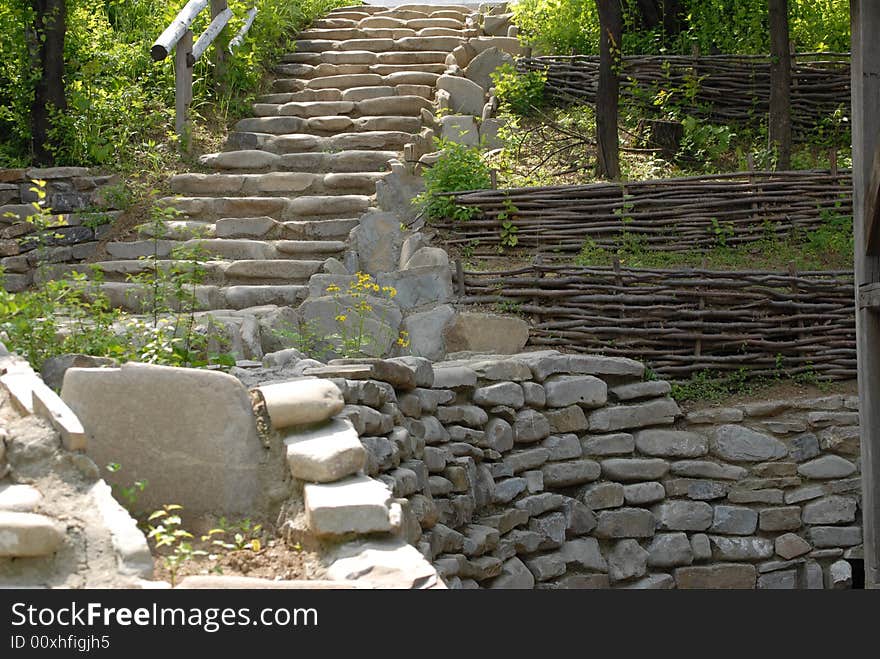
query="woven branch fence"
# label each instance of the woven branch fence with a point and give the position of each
(682, 322)
(723, 88)
(672, 215)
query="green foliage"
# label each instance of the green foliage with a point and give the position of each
(458, 168)
(519, 93)
(704, 143)
(121, 103)
(564, 27)
(714, 387)
(558, 26)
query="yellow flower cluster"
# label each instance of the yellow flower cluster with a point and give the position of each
(341, 318)
(403, 339)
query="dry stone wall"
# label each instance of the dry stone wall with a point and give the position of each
(545, 470)
(79, 197)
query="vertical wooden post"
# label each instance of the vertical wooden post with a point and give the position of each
(221, 43)
(183, 83)
(865, 15)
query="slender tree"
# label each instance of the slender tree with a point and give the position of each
(47, 48)
(780, 83)
(607, 139)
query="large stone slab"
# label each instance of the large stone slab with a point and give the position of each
(487, 333)
(191, 434)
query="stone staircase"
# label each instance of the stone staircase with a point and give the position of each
(296, 177)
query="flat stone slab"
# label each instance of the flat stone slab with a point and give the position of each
(27, 534)
(357, 504)
(190, 433)
(300, 402)
(325, 453)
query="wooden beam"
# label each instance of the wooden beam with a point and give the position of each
(210, 33)
(865, 15)
(179, 26)
(238, 39)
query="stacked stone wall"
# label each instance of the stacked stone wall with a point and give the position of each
(547, 470)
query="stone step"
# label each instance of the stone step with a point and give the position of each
(267, 228)
(384, 140)
(396, 39)
(234, 249)
(279, 208)
(322, 230)
(356, 504)
(324, 453)
(220, 273)
(364, 102)
(367, 57)
(328, 125)
(336, 23)
(329, 88)
(302, 96)
(349, 161)
(286, 184)
(135, 298)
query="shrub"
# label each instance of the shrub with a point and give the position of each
(520, 93)
(458, 168)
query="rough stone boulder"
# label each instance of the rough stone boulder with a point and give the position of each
(380, 327)
(485, 332)
(483, 65)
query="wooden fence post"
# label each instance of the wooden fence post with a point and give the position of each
(221, 54)
(183, 82)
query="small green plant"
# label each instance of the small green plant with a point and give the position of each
(237, 537)
(509, 231)
(458, 168)
(130, 494)
(172, 541)
(519, 93)
(722, 232)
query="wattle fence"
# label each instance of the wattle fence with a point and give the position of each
(682, 322)
(721, 88)
(673, 215)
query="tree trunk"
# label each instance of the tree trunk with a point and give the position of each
(50, 26)
(780, 84)
(611, 27)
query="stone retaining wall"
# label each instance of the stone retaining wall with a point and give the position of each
(554, 471)
(82, 200)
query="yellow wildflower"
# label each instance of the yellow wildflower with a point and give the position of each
(333, 288)
(341, 318)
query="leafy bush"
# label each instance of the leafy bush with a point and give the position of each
(458, 168)
(520, 93)
(728, 26)
(121, 103)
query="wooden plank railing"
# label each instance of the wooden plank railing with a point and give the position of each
(179, 37)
